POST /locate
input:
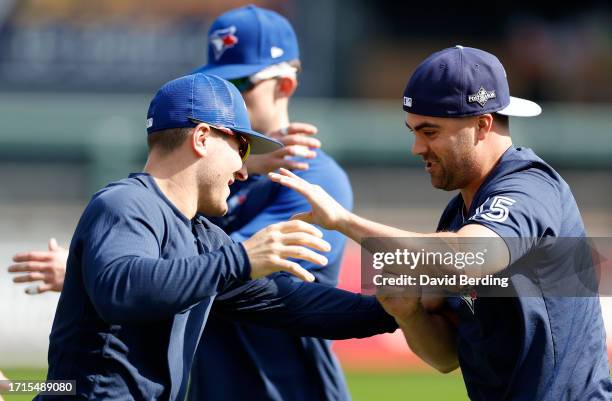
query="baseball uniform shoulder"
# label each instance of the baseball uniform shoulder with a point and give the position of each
(135, 197)
(524, 163)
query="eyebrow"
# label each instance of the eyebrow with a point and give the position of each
(425, 124)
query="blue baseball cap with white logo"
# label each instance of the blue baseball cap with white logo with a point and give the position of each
(463, 81)
(194, 98)
(248, 39)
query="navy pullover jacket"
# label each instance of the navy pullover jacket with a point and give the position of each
(140, 281)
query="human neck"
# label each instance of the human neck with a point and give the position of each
(176, 181)
(469, 191)
(282, 118)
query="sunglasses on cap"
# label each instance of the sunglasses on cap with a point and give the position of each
(244, 146)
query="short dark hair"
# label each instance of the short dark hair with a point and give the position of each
(169, 139)
(501, 120)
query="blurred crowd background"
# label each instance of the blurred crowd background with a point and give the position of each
(76, 78)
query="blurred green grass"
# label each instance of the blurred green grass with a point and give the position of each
(364, 386)
(23, 374)
(403, 386)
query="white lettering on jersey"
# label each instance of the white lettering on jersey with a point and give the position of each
(497, 211)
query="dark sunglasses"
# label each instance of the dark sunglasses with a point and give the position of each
(242, 84)
(244, 146)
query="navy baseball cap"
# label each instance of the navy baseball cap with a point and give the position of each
(463, 81)
(248, 39)
(208, 99)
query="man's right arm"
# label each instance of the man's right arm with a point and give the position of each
(127, 280)
(118, 251)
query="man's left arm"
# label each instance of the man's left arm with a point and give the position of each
(304, 309)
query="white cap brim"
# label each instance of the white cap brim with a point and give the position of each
(521, 108)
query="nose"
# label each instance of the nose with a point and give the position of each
(242, 174)
(419, 147)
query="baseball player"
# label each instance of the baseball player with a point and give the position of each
(145, 266)
(257, 50)
(271, 364)
(536, 345)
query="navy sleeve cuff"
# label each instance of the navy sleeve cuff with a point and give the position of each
(244, 265)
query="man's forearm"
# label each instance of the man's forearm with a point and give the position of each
(472, 239)
(304, 309)
(432, 337)
(357, 228)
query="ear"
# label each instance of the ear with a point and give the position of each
(484, 123)
(285, 86)
(199, 139)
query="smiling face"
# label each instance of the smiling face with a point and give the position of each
(219, 167)
(448, 147)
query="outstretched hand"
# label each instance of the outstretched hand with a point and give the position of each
(326, 212)
(46, 266)
(270, 249)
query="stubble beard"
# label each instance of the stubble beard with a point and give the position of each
(456, 173)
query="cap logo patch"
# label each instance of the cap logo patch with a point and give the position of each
(149, 122)
(223, 39)
(407, 101)
(276, 52)
(481, 97)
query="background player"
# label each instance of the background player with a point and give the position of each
(545, 346)
(257, 50)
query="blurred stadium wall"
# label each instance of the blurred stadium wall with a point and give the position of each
(76, 78)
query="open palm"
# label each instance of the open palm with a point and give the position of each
(326, 212)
